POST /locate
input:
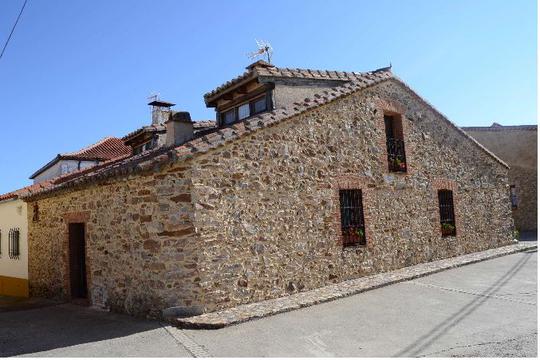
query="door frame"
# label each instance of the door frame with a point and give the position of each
(70, 218)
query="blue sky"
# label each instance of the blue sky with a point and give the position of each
(76, 71)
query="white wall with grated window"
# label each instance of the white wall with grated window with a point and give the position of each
(13, 214)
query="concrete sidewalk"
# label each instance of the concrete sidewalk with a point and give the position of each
(247, 312)
(486, 309)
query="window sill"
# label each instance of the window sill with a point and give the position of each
(354, 247)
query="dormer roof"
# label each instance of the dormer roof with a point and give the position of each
(265, 71)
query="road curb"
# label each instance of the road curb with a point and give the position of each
(243, 313)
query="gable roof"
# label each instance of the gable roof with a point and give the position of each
(105, 149)
(219, 136)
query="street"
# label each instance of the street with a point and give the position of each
(486, 309)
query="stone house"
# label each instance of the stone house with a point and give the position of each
(517, 146)
(307, 178)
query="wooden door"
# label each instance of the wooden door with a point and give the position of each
(77, 261)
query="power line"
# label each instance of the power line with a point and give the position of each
(13, 29)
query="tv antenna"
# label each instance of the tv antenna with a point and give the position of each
(265, 49)
(154, 96)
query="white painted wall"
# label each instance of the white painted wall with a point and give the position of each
(13, 214)
(62, 167)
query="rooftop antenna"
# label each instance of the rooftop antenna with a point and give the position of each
(265, 49)
(153, 96)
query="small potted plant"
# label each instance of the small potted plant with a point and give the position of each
(448, 229)
(355, 235)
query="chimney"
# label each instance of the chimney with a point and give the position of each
(160, 111)
(179, 128)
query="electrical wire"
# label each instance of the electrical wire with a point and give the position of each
(13, 29)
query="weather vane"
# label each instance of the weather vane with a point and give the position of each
(265, 49)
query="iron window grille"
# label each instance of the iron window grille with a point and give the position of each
(395, 145)
(513, 197)
(446, 212)
(14, 243)
(352, 217)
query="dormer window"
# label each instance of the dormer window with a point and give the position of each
(229, 117)
(245, 110)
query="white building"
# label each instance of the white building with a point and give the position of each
(13, 246)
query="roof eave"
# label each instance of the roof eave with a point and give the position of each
(209, 99)
(46, 166)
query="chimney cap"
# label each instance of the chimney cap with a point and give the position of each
(260, 63)
(160, 103)
(180, 116)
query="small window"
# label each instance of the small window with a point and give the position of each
(259, 105)
(513, 197)
(14, 243)
(64, 168)
(395, 145)
(446, 213)
(352, 217)
(229, 117)
(243, 111)
(0, 243)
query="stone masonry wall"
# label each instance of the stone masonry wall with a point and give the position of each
(140, 248)
(267, 211)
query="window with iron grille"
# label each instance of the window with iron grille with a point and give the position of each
(14, 243)
(513, 197)
(395, 145)
(352, 217)
(446, 212)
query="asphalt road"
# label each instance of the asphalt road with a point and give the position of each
(488, 309)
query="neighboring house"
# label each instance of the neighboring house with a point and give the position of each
(14, 243)
(106, 149)
(517, 146)
(13, 247)
(307, 178)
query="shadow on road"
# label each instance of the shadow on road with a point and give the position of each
(30, 331)
(440, 330)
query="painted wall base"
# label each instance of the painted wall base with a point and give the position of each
(11, 286)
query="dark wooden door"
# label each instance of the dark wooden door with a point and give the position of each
(77, 261)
